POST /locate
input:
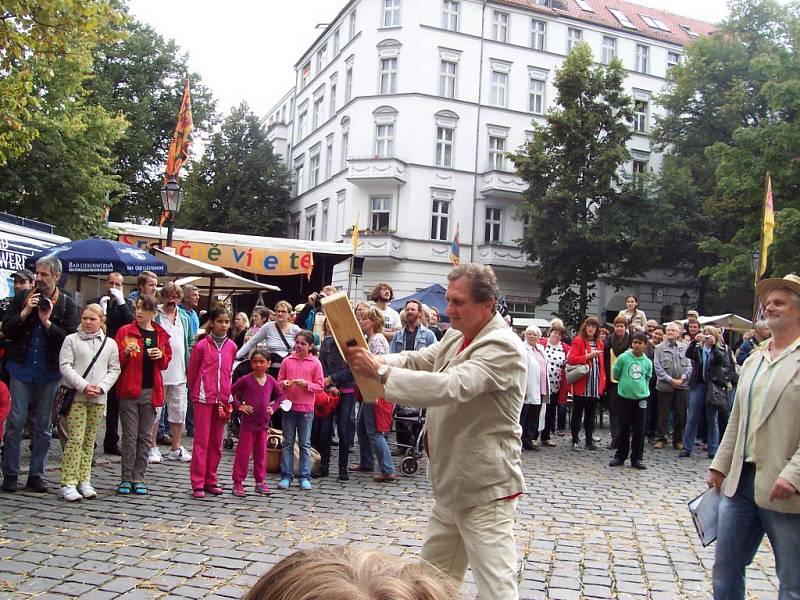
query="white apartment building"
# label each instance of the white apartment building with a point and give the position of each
(402, 113)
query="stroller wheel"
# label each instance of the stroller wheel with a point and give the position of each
(227, 443)
(409, 465)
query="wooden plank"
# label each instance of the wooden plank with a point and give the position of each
(347, 334)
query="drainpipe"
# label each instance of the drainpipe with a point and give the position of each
(474, 245)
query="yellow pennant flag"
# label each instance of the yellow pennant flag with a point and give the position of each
(355, 236)
(767, 229)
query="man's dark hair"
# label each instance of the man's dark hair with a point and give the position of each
(375, 295)
(640, 336)
(147, 302)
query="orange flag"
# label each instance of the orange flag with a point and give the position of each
(181, 139)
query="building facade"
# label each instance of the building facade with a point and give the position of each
(403, 112)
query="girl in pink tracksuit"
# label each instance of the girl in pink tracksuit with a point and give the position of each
(209, 380)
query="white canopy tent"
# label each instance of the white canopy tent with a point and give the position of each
(728, 321)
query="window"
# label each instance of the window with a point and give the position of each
(497, 153)
(384, 141)
(336, 43)
(353, 24)
(313, 169)
(642, 55)
(622, 18)
(305, 74)
(639, 169)
(316, 116)
(491, 228)
(655, 23)
(584, 5)
(311, 226)
(294, 227)
(388, 83)
(348, 83)
(444, 147)
(609, 49)
(640, 114)
(538, 30)
(391, 13)
(673, 59)
(573, 37)
(324, 227)
(440, 217)
(450, 10)
(500, 26)
(332, 101)
(447, 79)
(322, 58)
(536, 96)
(299, 175)
(691, 32)
(345, 141)
(302, 124)
(499, 88)
(380, 209)
(329, 157)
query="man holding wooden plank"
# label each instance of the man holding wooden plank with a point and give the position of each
(474, 383)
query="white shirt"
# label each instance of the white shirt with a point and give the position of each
(175, 373)
(391, 317)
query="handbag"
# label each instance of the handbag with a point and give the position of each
(574, 372)
(716, 396)
(65, 395)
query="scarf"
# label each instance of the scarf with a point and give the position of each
(89, 336)
(218, 340)
(619, 346)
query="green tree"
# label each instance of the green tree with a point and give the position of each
(35, 36)
(583, 212)
(140, 75)
(239, 185)
(732, 116)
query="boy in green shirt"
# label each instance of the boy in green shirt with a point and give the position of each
(633, 370)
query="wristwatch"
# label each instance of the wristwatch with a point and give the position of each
(383, 370)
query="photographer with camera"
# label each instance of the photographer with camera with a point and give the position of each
(35, 326)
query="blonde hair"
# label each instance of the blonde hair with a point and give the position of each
(716, 332)
(375, 316)
(345, 573)
(98, 310)
(557, 324)
(284, 305)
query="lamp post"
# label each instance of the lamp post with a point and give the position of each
(755, 262)
(171, 199)
(685, 303)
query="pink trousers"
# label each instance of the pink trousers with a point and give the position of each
(250, 443)
(207, 446)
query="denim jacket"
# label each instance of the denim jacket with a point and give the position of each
(425, 338)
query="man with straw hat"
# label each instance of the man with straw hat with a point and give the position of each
(757, 466)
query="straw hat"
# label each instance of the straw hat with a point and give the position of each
(791, 282)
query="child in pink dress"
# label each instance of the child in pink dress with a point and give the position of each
(256, 396)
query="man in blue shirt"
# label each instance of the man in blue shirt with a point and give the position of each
(35, 326)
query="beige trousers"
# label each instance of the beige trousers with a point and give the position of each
(481, 537)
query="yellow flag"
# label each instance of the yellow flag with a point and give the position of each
(355, 236)
(768, 228)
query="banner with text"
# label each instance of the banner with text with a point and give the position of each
(264, 261)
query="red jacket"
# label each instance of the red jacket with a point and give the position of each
(565, 387)
(577, 356)
(129, 384)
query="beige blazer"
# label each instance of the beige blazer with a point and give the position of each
(777, 434)
(474, 399)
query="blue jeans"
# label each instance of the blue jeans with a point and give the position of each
(697, 405)
(346, 428)
(367, 430)
(298, 423)
(24, 394)
(740, 529)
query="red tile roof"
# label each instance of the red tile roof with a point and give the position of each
(601, 16)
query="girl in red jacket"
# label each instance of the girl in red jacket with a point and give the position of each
(144, 351)
(209, 380)
(587, 349)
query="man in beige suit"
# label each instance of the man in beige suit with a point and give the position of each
(472, 382)
(757, 466)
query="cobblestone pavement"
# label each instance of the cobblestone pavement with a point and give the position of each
(584, 530)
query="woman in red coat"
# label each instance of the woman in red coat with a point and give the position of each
(587, 349)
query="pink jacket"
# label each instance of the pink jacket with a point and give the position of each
(210, 370)
(308, 368)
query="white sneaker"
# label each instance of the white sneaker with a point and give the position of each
(68, 492)
(87, 491)
(181, 454)
(154, 456)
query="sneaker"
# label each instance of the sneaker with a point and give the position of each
(305, 485)
(261, 488)
(238, 490)
(199, 493)
(550, 443)
(575, 446)
(595, 438)
(283, 484)
(68, 492)
(592, 447)
(181, 454)
(87, 491)
(154, 456)
(659, 445)
(684, 454)
(36, 484)
(214, 489)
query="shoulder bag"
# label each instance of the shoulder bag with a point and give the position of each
(717, 396)
(574, 372)
(65, 395)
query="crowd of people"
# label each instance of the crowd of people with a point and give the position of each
(159, 369)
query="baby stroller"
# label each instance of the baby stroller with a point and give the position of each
(408, 424)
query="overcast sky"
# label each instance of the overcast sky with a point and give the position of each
(246, 49)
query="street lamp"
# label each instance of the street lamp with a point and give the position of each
(171, 199)
(685, 303)
(755, 261)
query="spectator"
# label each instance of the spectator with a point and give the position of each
(312, 317)
(615, 346)
(89, 364)
(22, 281)
(277, 336)
(651, 419)
(673, 371)
(434, 324)
(758, 336)
(260, 317)
(556, 352)
(587, 349)
(145, 351)
(650, 327)
(37, 322)
(692, 326)
(241, 324)
(637, 320)
(537, 390)
(381, 295)
(190, 304)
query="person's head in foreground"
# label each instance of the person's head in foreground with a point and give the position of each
(344, 573)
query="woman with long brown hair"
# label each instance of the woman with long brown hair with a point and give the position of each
(587, 349)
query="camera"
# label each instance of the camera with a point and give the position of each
(45, 303)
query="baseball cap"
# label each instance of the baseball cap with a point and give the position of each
(24, 274)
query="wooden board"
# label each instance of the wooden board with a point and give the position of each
(347, 334)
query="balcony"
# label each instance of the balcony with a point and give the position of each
(377, 243)
(499, 255)
(367, 171)
(499, 184)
